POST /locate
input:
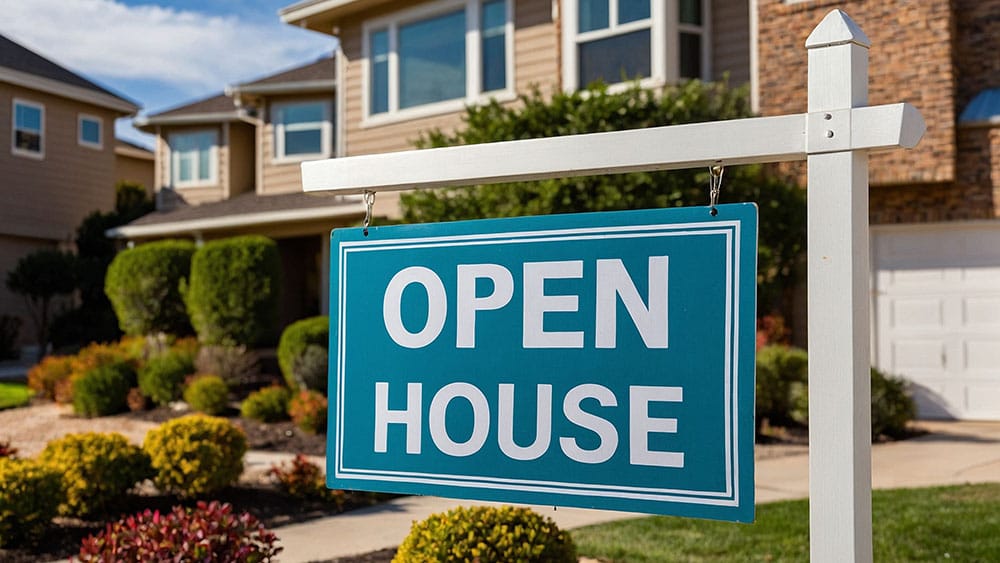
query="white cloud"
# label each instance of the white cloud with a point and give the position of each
(193, 51)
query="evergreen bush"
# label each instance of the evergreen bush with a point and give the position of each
(196, 454)
(779, 368)
(302, 354)
(103, 390)
(207, 394)
(143, 284)
(162, 378)
(269, 404)
(232, 296)
(30, 494)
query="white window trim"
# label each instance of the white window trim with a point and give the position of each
(100, 131)
(663, 23)
(40, 155)
(278, 138)
(213, 161)
(473, 62)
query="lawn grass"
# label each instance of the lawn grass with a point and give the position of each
(934, 524)
(14, 395)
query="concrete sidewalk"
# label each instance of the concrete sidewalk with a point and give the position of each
(951, 453)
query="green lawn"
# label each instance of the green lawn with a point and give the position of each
(934, 524)
(14, 395)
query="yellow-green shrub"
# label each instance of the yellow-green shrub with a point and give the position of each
(269, 404)
(103, 390)
(196, 454)
(486, 534)
(30, 494)
(97, 470)
(207, 393)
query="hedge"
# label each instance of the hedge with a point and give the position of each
(143, 284)
(297, 338)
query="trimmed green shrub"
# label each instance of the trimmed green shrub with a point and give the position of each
(269, 404)
(162, 378)
(486, 534)
(208, 394)
(892, 407)
(232, 296)
(308, 411)
(778, 367)
(30, 494)
(103, 390)
(209, 532)
(143, 285)
(302, 344)
(196, 454)
(97, 470)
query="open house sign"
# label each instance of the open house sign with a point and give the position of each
(600, 360)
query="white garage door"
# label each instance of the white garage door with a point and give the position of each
(937, 315)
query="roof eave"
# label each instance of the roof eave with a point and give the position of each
(322, 15)
(145, 123)
(64, 90)
(294, 87)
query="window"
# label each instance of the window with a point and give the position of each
(438, 57)
(618, 40)
(302, 130)
(89, 131)
(29, 129)
(193, 158)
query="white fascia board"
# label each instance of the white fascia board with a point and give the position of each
(236, 221)
(64, 90)
(134, 153)
(298, 87)
(192, 119)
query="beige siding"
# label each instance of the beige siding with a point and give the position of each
(132, 169)
(241, 161)
(48, 198)
(731, 40)
(284, 176)
(192, 195)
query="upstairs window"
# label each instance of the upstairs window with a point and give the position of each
(28, 131)
(194, 158)
(89, 131)
(614, 41)
(437, 57)
(302, 130)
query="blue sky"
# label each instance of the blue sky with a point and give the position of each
(162, 53)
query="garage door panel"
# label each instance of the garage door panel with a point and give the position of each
(917, 313)
(982, 312)
(982, 355)
(918, 356)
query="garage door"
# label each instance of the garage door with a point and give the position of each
(937, 315)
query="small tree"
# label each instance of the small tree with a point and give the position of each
(40, 277)
(143, 284)
(781, 205)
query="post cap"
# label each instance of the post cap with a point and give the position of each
(837, 28)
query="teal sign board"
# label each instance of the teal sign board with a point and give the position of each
(600, 360)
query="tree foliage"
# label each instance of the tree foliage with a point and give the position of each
(40, 277)
(782, 206)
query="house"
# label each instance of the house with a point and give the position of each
(406, 67)
(134, 163)
(229, 164)
(57, 157)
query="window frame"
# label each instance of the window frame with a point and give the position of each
(278, 155)
(665, 31)
(99, 145)
(474, 93)
(213, 160)
(14, 149)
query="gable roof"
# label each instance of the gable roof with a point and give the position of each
(317, 76)
(24, 67)
(217, 108)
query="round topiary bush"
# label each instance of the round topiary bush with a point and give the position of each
(30, 494)
(143, 285)
(196, 454)
(308, 411)
(488, 535)
(302, 353)
(162, 378)
(269, 404)
(208, 394)
(232, 296)
(97, 470)
(103, 390)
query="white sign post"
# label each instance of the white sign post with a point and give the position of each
(835, 137)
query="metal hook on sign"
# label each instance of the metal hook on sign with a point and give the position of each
(714, 187)
(369, 199)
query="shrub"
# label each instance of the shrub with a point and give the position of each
(196, 454)
(143, 285)
(234, 364)
(10, 329)
(162, 378)
(46, 375)
(267, 405)
(136, 401)
(208, 394)
(778, 367)
(304, 479)
(103, 390)
(486, 534)
(208, 532)
(302, 343)
(97, 470)
(308, 411)
(232, 296)
(7, 450)
(892, 407)
(30, 494)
